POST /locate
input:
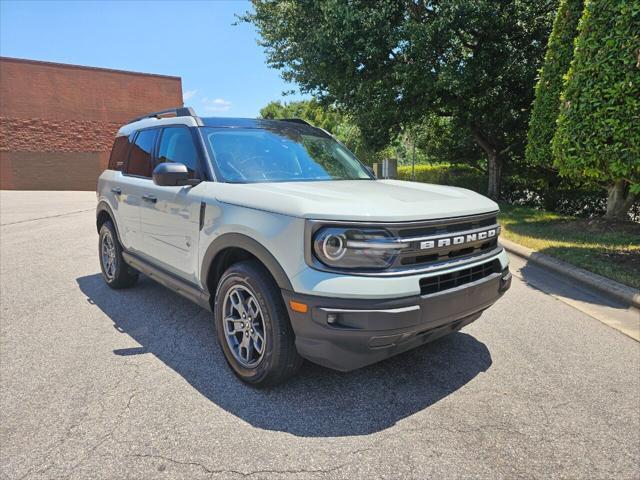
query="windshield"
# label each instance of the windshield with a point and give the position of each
(249, 155)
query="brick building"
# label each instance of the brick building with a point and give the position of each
(58, 122)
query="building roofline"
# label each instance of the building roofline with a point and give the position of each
(84, 67)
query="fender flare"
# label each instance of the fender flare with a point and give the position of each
(103, 206)
(239, 240)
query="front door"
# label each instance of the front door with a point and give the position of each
(170, 216)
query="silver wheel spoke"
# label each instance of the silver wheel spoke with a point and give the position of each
(238, 304)
(237, 326)
(246, 349)
(243, 325)
(258, 341)
(252, 307)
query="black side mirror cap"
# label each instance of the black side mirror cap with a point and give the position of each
(172, 175)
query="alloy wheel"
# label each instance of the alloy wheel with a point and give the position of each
(244, 327)
(108, 251)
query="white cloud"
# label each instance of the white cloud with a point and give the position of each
(188, 94)
(216, 105)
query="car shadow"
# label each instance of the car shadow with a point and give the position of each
(318, 402)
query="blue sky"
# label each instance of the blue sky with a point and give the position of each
(223, 69)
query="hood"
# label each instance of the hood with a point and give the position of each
(356, 200)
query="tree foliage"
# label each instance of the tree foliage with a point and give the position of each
(392, 62)
(598, 134)
(327, 117)
(546, 106)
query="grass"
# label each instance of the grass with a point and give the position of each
(608, 249)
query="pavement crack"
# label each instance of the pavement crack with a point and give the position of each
(46, 217)
(212, 471)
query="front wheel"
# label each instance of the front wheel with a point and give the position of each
(253, 326)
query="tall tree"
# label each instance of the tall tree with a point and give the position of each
(328, 117)
(392, 62)
(546, 106)
(598, 134)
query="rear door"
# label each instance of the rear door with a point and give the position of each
(136, 182)
(170, 222)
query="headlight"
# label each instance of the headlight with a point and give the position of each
(356, 248)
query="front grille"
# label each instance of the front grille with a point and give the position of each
(415, 258)
(421, 246)
(447, 281)
(418, 254)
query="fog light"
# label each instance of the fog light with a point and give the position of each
(332, 318)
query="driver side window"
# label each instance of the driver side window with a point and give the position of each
(177, 145)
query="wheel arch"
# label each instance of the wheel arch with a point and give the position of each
(103, 214)
(215, 259)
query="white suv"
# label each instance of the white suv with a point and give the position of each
(292, 243)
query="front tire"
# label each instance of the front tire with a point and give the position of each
(253, 327)
(115, 271)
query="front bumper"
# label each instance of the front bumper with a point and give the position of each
(345, 334)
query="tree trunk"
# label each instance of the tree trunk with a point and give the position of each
(495, 163)
(619, 201)
(551, 197)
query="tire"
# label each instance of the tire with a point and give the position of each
(117, 274)
(249, 284)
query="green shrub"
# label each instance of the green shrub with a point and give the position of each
(461, 175)
(546, 105)
(573, 198)
(598, 133)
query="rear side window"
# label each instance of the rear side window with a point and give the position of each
(140, 157)
(176, 145)
(119, 153)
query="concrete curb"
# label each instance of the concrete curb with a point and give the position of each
(629, 296)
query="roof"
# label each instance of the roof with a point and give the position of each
(83, 67)
(279, 124)
(282, 125)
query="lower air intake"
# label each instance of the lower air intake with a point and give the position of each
(447, 281)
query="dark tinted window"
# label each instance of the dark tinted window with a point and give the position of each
(119, 153)
(176, 145)
(140, 157)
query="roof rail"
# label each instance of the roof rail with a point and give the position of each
(295, 120)
(175, 112)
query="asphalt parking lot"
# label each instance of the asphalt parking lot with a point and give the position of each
(97, 383)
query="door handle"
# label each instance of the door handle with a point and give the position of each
(116, 190)
(149, 198)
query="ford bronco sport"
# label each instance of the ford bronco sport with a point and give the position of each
(296, 248)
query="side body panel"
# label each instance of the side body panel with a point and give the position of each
(130, 201)
(170, 228)
(280, 235)
(116, 191)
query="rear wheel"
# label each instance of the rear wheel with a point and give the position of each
(253, 326)
(115, 271)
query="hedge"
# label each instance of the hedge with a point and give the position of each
(598, 133)
(461, 175)
(546, 105)
(573, 199)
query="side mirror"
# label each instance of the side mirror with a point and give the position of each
(172, 175)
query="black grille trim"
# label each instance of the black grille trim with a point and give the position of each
(449, 227)
(447, 281)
